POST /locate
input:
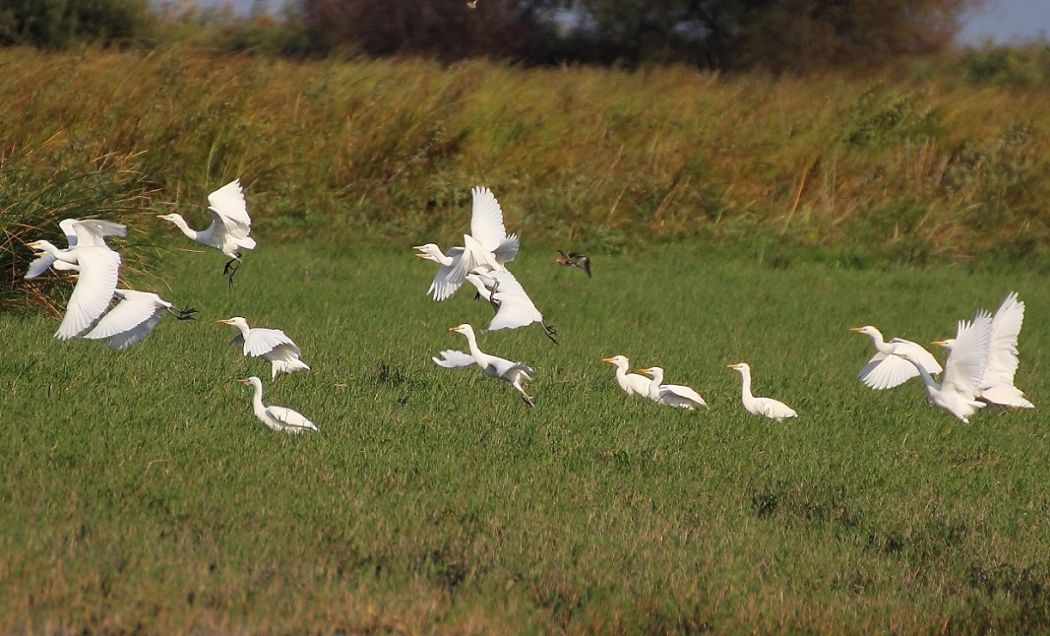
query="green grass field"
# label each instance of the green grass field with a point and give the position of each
(138, 491)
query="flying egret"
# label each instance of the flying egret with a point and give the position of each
(269, 344)
(575, 259)
(98, 267)
(45, 261)
(632, 383)
(997, 383)
(487, 246)
(230, 225)
(278, 418)
(133, 318)
(514, 373)
(671, 394)
(513, 306)
(766, 407)
(887, 368)
(957, 392)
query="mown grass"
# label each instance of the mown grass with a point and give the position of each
(139, 491)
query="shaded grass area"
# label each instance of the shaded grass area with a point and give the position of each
(139, 490)
(879, 168)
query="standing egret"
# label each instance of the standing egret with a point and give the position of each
(513, 306)
(997, 383)
(487, 246)
(957, 392)
(278, 418)
(766, 407)
(230, 225)
(632, 383)
(133, 318)
(98, 267)
(514, 373)
(575, 259)
(269, 344)
(671, 394)
(887, 368)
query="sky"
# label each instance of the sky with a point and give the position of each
(1003, 21)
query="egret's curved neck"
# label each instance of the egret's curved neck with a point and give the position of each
(257, 403)
(745, 389)
(441, 259)
(244, 329)
(479, 356)
(927, 379)
(186, 229)
(658, 377)
(879, 342)
(60, 254)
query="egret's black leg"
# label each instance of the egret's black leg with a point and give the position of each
(527, 400)
(183, 314)
(230, 269)
(550, 332)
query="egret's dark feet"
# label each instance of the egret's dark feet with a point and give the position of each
(230, 269)
(550, 332)
(183, 314)
(527, 400)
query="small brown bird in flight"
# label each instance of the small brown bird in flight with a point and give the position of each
(577, 259)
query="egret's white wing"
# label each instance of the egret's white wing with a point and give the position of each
(775, 408)
(39, 265)
(472, 257)
(452, 359)
(969, 356)
(135, 334)
(290, 419)
(1002, 349)
(486, 219)
(506, 368)
(678, 395)
(885, 372)
(261, 341)
(68, 227)
(925, 358)
(92, 232)
(229, 206)
(444, 283)
(516, 309)
(507, 249)
(135, 309)
(99, 267)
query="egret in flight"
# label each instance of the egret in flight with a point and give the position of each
(487, 246)
(671, 394)
(632, 383)
(766, 407)
(98, 267)
(230, 225)
(997, 383)
(514, 373)
(278, 418)
(888, 368)
(957, 392)
(269, 344)
(133, 318)
(46, 261)
(513, 306)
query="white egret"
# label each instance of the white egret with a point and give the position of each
(487, 246)
(632, 383)
(278, 418)
(887, 368)
(45, 261)
(230, 225)
(957, 392)
(671, 394)
(133, 318)
(766, 407)
(514, 373)
(269, 344)
(98, 267)
(997, 383)
(513, 306)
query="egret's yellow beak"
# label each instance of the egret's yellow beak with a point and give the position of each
(939, 343)
(609, 360)
(640, 370)
(856, 329)
(731, 366)
(244, 381)
(453, 328)
(224, 321)
(420, 255)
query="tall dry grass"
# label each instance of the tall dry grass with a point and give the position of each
(875, 167)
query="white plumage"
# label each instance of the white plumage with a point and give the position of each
(632, 383)
(46, 260)
(671, 394)
(487, 247)
(957, 392)
(766, 407)
(133, 318)
(887, 368)
(514, 373)
(278, 418)
(269, 344)
(513, 306)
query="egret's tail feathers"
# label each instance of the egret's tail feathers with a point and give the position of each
(287, 366)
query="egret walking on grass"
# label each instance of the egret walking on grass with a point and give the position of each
(997, 383)
(766, 407)
(230, 225)
(487, 246)
(632, 383)
(514, 373)
(670, 394)
(887, 368)
(133, 318)
(269, 344)
(957, 392)
(278, 418)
